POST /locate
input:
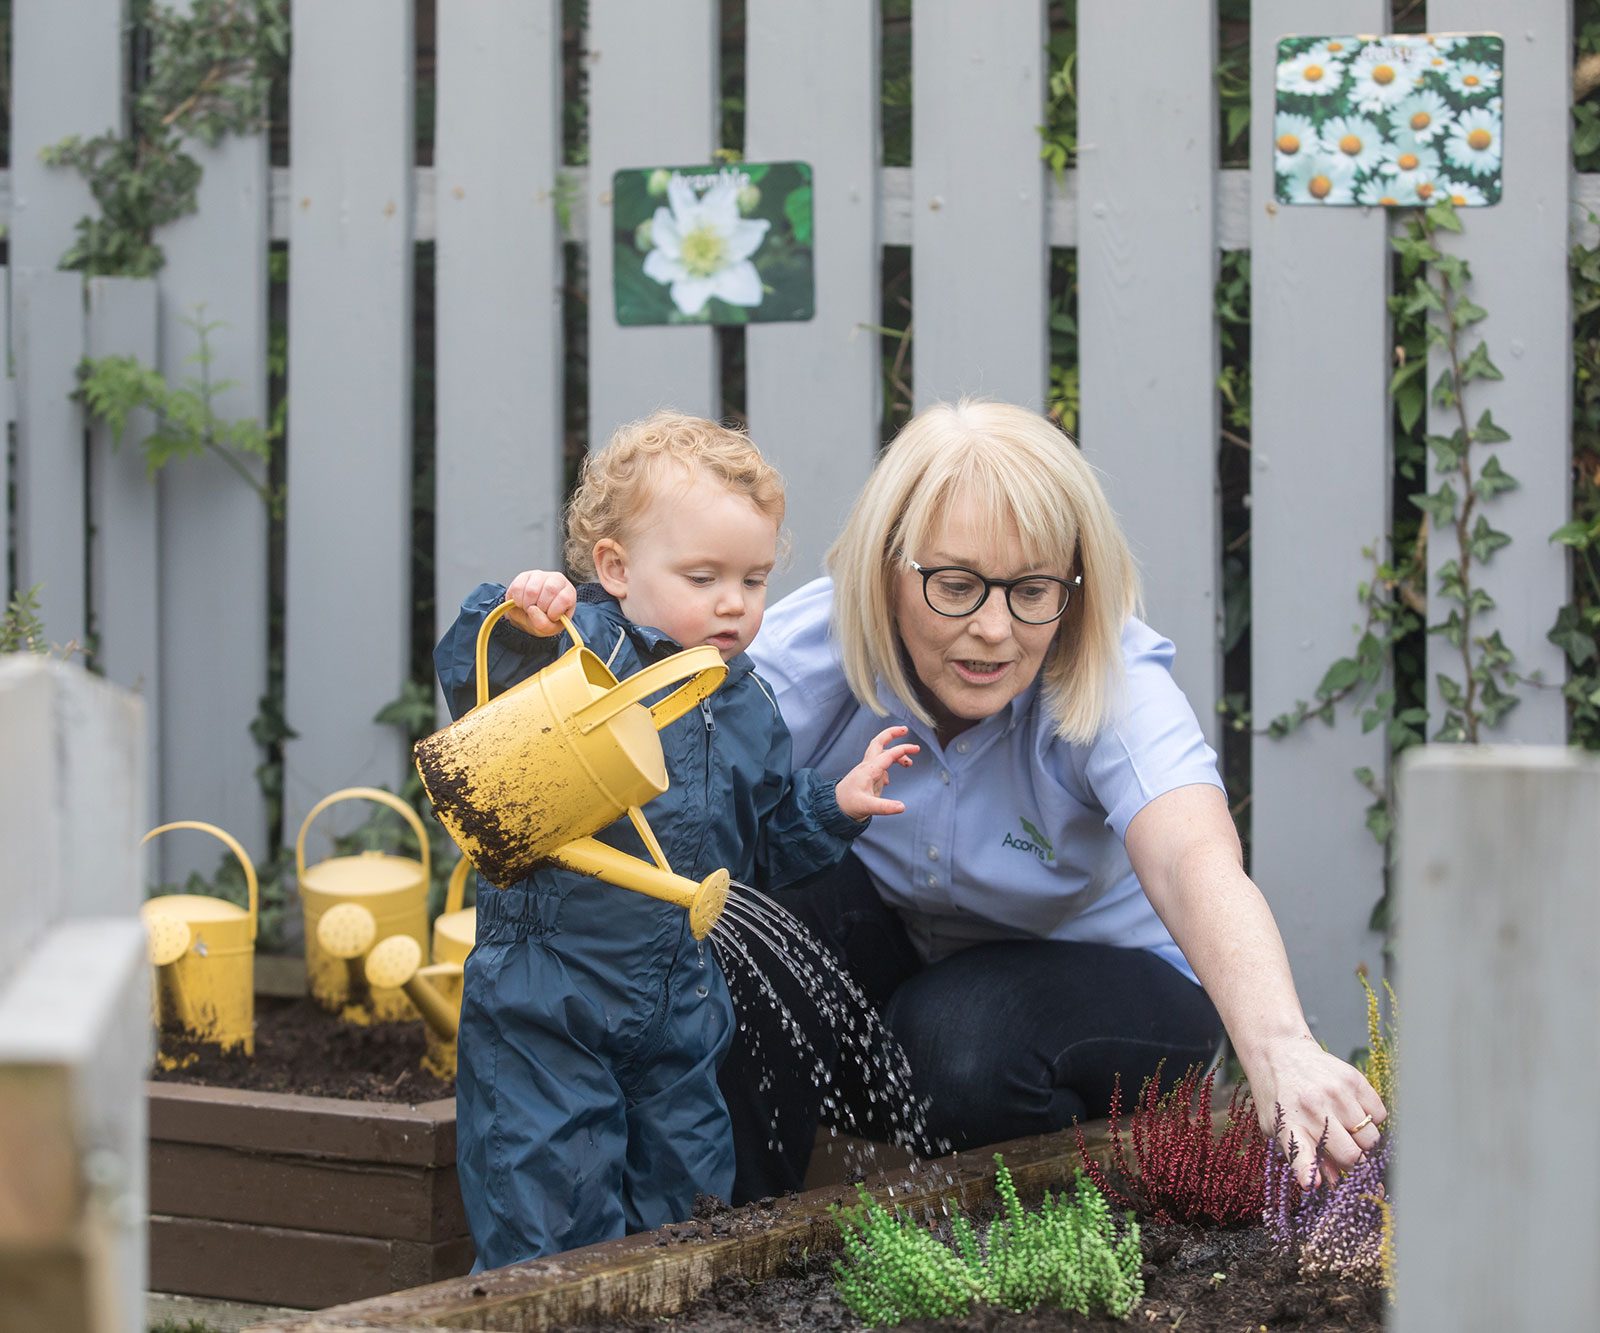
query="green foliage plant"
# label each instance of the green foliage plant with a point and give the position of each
(187, 423)
(207, 76)
(22, 627)
(1068, 1255)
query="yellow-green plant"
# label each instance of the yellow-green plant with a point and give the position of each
(1383, 1046)
(1067, 1255)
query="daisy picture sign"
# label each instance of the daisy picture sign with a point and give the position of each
(720, 244)
(1398, 121)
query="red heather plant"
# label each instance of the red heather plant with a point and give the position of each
(1185, 1172)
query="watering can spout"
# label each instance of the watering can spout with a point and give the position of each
(704, 901)
(396, 962)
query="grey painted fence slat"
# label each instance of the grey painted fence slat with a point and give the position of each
(8, 415)
(1518, 253)
(1147, 262)
(1498, 848)
(67, 74)
(498, 333)
(51, 522)
(213, 525)
(349, 521)
(813, 388)
(124, 558)
(1319, 494)
(669, 47)
(978, 261)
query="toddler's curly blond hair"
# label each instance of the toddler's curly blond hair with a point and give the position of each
(618, 483)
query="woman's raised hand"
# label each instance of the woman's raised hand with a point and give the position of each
(858, 792)
(539, 598)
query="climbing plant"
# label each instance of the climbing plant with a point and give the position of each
(201, 75)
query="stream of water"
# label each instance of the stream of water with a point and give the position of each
(892, 1112)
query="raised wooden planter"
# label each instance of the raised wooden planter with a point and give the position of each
(660, 1272)
(300, 1201)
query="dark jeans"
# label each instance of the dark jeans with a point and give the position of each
(1006, 1039)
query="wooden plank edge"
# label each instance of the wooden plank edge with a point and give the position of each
(663, 1272)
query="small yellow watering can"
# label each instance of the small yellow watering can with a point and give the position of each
(377, 895)
(533, 775)
(204, 951)
(434, 990)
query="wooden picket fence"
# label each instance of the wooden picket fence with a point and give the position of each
(175, 572)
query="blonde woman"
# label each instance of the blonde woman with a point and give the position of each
(1065, 899)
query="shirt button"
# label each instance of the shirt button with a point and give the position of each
(933, 881)
(961, 747)
(944, 776)
(933, 853)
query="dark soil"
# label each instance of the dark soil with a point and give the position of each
(1203, 1281)
(300, 1048)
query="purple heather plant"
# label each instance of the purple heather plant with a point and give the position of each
(1340, 1228)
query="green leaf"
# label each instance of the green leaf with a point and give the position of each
(1340, 677)
(1443, 216)
(1465, 313)
(1477, 366)
(1444, 389)
(1451, 691)
(1486, 432)
(1439, 506)
(1580, 534)
(1485, 540)
(1447, 451)
(1492, 479)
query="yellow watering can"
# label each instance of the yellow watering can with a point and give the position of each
(204, 951)
(455, 930)
(381, 895)
(533, 775)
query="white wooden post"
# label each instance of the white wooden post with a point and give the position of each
(1495, 1188)
(74, 1003)
(1518, 253)
(814, 387)
(348, 618)
(1147, 275)
(124, 569)
(1319, 489)
(213, 525)
(498, 479)
(652, 103)
(979, 266)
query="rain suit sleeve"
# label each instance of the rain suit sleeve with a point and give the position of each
(513, 655)
(802, 829)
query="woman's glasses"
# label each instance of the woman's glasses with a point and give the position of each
(1035, 599)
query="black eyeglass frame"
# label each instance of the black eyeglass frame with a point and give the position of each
(989, 585)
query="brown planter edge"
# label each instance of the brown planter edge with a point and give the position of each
(660, 1272)
(300, 1201)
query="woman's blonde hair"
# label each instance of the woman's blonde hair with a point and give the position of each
(617, 485)
(1019, 468)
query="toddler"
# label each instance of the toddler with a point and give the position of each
(592, 1021)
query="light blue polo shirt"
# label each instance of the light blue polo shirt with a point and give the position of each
(1009, 832)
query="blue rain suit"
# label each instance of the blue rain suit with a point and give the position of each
(592, 1021)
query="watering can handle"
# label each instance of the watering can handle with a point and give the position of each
(368, 794)
(458, 885)
(703, 666)
(233, 846)
(481, 674)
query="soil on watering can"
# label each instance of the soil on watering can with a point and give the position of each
(1204, 1281)
(302, 1049)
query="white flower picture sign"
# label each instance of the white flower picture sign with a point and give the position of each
(720, 244)
(1399, 121)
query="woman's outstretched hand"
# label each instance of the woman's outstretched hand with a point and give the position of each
(1315, 1090)
(859, 790)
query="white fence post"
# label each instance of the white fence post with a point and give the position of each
(213, 525)
(74, 1003)
(1497, 1229)
(1518, 253)
(1147, 275)
(1319, 482)
(814, 387)
(979, 264)
(498, 473)
(652, 103)
(348, 620)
